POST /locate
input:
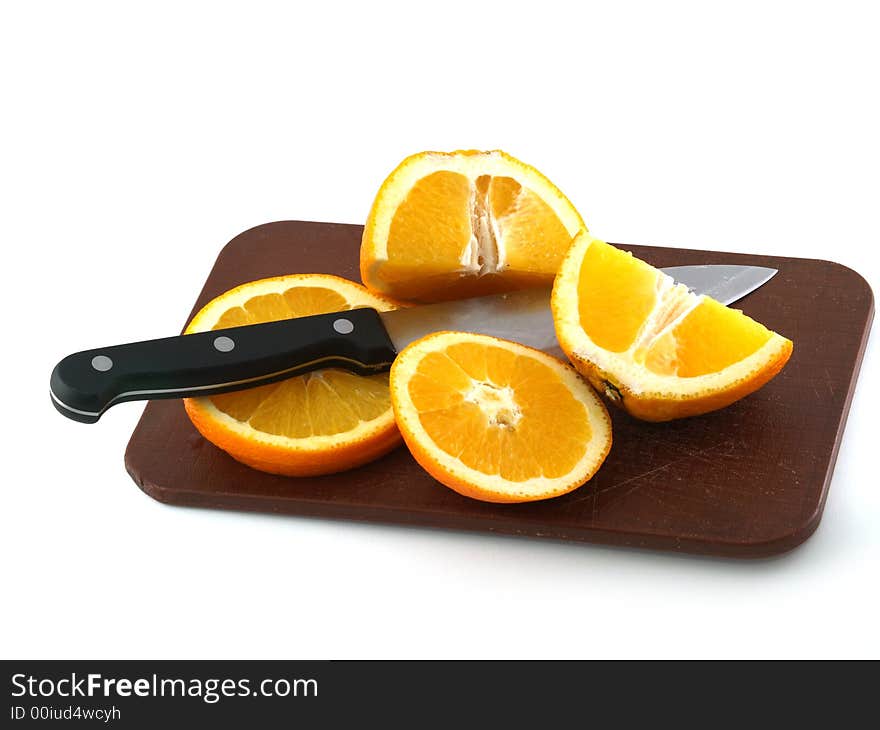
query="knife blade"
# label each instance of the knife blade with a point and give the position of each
(84, 385)
(724, 283)
(524, 316)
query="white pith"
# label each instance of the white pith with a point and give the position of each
(485, 251)
(540, 486)
(497, 404)
(354, 295)
(675, 302)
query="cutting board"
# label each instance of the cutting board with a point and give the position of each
(748, 481)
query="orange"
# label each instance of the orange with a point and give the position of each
(496, 420)
(325, 421)
(450, 225)
(650, 345)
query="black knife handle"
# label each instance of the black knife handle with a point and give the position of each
(85, 384)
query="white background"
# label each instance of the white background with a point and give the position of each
(137, 142)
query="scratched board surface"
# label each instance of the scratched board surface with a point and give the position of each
(748, 481)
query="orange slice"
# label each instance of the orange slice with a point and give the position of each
(496, 420)
(650, 345)
(325, 421)
(450, 225)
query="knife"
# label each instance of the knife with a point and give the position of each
(86, 384)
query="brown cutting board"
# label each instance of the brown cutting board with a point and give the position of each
(748, 481)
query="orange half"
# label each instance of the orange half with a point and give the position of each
(496, 420)
(325, 421)
(450, 225)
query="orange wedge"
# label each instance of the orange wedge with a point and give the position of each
(325, 421)
(650, 345)
(495, 420)
(450, 225)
